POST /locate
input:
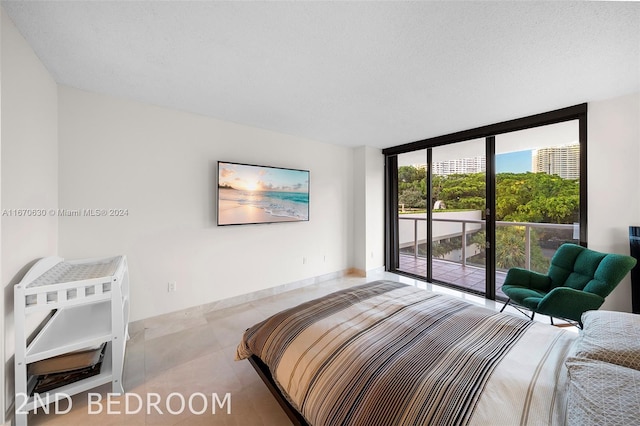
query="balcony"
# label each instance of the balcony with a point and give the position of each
(458, 241)
(465, 276)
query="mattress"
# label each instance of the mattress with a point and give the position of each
(385, 353)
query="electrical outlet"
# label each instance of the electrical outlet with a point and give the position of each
(171, 287)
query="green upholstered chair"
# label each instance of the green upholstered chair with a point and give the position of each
(578, 280)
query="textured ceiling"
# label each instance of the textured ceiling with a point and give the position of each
(349, 73)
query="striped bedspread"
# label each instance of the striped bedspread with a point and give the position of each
(385, 353)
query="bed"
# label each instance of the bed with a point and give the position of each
(386, 353)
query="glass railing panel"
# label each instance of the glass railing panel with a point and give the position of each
(531, 245)
(520, 244)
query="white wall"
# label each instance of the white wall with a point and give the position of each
(359, 209)
(613, 170)
(29, 173)
(160, 164)
(374, 172)
(368, 226)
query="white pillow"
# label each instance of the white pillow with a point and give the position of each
(601, 393)
(611, 337)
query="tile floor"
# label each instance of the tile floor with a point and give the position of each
(193, 355)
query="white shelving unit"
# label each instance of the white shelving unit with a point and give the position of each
(89, 299)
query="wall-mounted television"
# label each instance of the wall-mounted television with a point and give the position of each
(249, 194)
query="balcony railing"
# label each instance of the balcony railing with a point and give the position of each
(470, 226)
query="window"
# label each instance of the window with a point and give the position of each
(464, 208)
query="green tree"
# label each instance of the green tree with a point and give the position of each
(460, 191)
(410, 174)
(520, 197)
(537, 197)
(444, 247)
(510, 249)
(412, 187)
(412, 198)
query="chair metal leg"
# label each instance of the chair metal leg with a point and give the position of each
(516, 307)
(551, 318)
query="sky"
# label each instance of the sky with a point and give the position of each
(514, 162)
(260, 178)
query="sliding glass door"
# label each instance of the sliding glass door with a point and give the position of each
(412, 205)
(441, 205)
(537, 196)
(458, 205)
(462, 210)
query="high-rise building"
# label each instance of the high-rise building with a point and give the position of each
(461, 165)
(563, 161)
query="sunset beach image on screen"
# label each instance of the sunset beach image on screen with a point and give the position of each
(250, 194)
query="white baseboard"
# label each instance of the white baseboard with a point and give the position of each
(195, 311)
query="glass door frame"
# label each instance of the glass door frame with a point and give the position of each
(392, 252)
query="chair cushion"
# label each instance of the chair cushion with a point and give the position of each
(584, 269)
(612, 269)
(587, 262)
(577, 281)
(562, 263)
(526, 297)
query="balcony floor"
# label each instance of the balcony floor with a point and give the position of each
(466, 277)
